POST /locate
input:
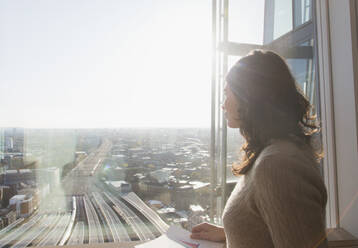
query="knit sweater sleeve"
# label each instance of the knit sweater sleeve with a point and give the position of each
(290, 197)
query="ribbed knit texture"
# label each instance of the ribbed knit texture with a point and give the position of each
(279, 203)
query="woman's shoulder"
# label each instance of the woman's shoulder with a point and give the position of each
(284, 168)
(286, 149)
(284, 156)
(281, 147)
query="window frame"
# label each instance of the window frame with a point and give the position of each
(327, 114)
(269, 25)
(311, 29)
(338, 61)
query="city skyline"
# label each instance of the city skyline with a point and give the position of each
(94, 187)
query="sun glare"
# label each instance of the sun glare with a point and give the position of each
(113, 64)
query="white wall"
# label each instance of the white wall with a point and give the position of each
(337, 58)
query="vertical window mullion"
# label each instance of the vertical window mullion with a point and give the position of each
(224, 126)
(293, 14)
(213, 108)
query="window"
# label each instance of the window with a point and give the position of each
(234, 140)
(105, 120)
(252, 15)
(302, 11)
(304, 71)
(105, 112)
(295, 43)
(282, 17)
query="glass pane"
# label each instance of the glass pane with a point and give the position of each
(246, 19)
(278, 21)
(303, 11)
(105, 117)
(304, 73)
(234, 141)
(282, 17)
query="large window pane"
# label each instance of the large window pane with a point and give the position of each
(302, 11)
(282, 17)
(278, 21)
(104, 121)
(234, 141)
(304, 73)
(246, 21)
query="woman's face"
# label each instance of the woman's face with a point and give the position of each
(230, 107)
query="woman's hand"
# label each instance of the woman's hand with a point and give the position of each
(209, 232)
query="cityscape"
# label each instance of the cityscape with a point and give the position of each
(89, 186)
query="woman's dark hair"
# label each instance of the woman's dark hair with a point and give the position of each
(271, 105)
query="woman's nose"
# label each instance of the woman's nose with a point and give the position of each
(223, 105)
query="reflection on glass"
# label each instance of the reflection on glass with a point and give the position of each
(303, 11)
(75, 186)
(282, 17)
(304, 73)
(299, 70)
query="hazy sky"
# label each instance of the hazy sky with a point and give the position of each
(111, 63)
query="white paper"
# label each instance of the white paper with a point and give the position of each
(177, 237)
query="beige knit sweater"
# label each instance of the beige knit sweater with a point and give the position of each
(279, 203)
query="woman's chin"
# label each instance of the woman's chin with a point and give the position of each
(232, 124)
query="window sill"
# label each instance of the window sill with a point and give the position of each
(104, 245)
(338, 237)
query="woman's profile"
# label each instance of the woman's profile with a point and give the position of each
(280, 198)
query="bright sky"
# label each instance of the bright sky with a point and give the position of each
(110, 63)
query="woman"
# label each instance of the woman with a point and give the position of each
(280, 198)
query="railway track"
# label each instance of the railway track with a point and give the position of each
(107, 234)
(78, 234)
(95, 234)
(55, 235)
(16, 235)
(119, 232)
(154, 218)
(35, 231)
(139, 227)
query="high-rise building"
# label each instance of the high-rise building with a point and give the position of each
(2, 151)
(14, 139)
(2, 143)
